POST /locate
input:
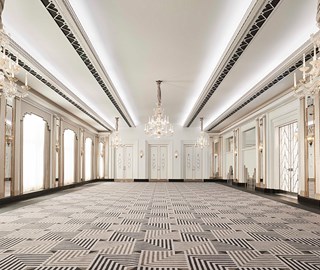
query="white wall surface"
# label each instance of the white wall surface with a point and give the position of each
(140, 140)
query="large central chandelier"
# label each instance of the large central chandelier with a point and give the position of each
(116, 140)
(158, 124)
(202, 140)
(8, 71)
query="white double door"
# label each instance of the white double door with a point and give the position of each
(158, 162)
(192, 162)
(124, 162)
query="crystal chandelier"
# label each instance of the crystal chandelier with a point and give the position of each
(116, 140)
(202, 140)
(310, 82)
(158, 124)
(8, 71)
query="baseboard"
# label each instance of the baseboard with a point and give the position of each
(238, 184)
(141, 180)
(103, 180)
(43, 192)
(158, 180)
(309, 201)
(268, 190)
(176, 180)
(217, 180)
(193, 180)
(124, 180)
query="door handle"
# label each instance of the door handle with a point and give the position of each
(290, 169)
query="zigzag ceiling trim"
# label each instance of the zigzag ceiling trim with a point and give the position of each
(65, 29)
(51, 86)
(242, 45)
(265, 88)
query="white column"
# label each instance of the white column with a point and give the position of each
(106, 158)
(317, 143)
(96, 154)
(47, 157)
(302, 148)
(235, 155)
(258, 157)
(220, 157)
(54, 148)
(240, 156)
(78, 158)
(264, 149)
(2, 143)
(61, 154)
(17, 148)
(82, 153)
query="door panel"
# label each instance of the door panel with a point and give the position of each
(163, 162)
(119, 163)
(192, 162)
(124, 162)
(153, 162)
(128, 167)
(288, 158)
(158, 162)
(198, 163)
(188, 163)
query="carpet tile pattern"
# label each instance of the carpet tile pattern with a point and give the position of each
(159, 226)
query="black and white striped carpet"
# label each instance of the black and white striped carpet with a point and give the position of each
(159, 226)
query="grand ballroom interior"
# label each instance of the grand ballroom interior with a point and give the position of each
(159, 134)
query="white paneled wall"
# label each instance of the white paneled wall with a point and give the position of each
(175, 145)
(282, 111)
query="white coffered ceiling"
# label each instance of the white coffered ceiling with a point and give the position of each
(185, 43)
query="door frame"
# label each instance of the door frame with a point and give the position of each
(167, 143)
(279, 171)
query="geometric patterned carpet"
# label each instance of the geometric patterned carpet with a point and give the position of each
(159, 226)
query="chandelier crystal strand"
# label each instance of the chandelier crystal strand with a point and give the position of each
(158, 124)
(310, 82)
(8, 71)
(116, 140)
(202, 140)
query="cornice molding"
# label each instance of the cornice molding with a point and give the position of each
(253, 23)
(43, 75)
(70, 26)
(291, 67)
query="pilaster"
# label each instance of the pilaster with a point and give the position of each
(17, 177)
(317, 143)
(2, 144)
(258, 156)
(302, 148)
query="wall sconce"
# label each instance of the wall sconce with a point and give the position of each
(176, 154)
(310, 139)
(260, 147)
(9, 139)
(235, 152)
(141, 154)
(57, 146)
